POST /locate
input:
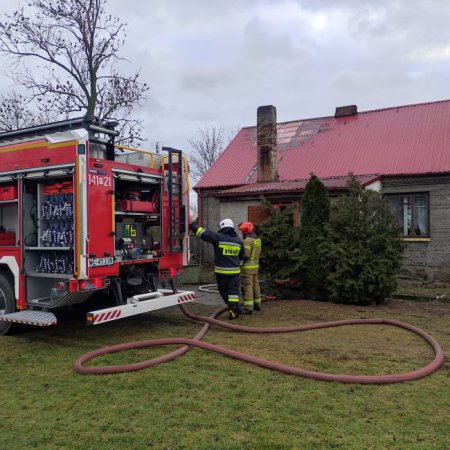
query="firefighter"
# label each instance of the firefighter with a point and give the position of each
(228, 255)
(250, 267)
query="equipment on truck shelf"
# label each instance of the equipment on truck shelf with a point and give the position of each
(82, 220)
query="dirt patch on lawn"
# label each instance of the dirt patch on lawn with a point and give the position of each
(416, 308)
(391, 307)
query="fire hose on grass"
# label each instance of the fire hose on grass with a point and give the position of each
(212, 320)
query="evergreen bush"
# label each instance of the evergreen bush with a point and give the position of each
(363, 250)
(315, 216)
(280, 257)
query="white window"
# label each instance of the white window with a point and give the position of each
(413, 214)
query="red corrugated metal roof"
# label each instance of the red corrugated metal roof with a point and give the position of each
(413, 139)
(333, 183)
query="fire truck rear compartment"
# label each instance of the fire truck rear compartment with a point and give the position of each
(48, 235)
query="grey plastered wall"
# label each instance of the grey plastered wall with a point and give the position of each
(237, 210)
(210, 208)
(429, 259)
(214, 210)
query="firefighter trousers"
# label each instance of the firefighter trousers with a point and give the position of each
(229, 289)
(252, 291)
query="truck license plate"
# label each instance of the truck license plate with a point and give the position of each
(97, 262)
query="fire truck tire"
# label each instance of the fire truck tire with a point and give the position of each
(7, 303)
(116, 292)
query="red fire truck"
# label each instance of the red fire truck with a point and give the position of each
(83, 221)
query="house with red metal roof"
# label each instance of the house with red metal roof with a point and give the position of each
(403, 152)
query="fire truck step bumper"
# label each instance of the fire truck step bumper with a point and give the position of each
(29, 317)
(140, 304)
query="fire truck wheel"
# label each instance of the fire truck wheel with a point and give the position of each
(6, 302)
(116, 291)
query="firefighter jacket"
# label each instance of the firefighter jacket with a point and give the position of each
(252, 246)
(228, 248)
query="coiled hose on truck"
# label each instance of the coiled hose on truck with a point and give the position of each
(212, 320)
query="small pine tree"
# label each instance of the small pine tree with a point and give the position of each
(363, 249)
(315, 217)
(280, 257)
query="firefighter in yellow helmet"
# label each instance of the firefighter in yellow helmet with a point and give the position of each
(250, 268)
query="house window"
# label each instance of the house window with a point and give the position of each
(413, 213)
(258, 214)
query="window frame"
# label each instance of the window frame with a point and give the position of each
(410, 204)
(257, 215)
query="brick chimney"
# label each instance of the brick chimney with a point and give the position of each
(346, 111)
(266, 142)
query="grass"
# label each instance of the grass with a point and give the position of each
(426, 294)
(207, 401)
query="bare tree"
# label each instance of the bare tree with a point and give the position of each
(15, 113)
(77, 45)
(207, 148)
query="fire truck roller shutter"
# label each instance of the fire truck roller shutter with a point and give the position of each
(125, 175)
(61, 171)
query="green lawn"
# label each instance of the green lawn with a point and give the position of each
(207, 401)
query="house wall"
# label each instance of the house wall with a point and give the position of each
(423, 261)
(210, 218)
(237, 210)
(427, 260)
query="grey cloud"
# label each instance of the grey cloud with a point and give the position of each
(215, 61)
(206, 81)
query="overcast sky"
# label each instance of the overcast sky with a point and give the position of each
(213, 62)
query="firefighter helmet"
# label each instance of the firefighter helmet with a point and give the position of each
(225, 223)
(246, 227)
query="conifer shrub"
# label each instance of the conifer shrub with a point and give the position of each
(280, 256)
(315, 216)
(363, 250)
